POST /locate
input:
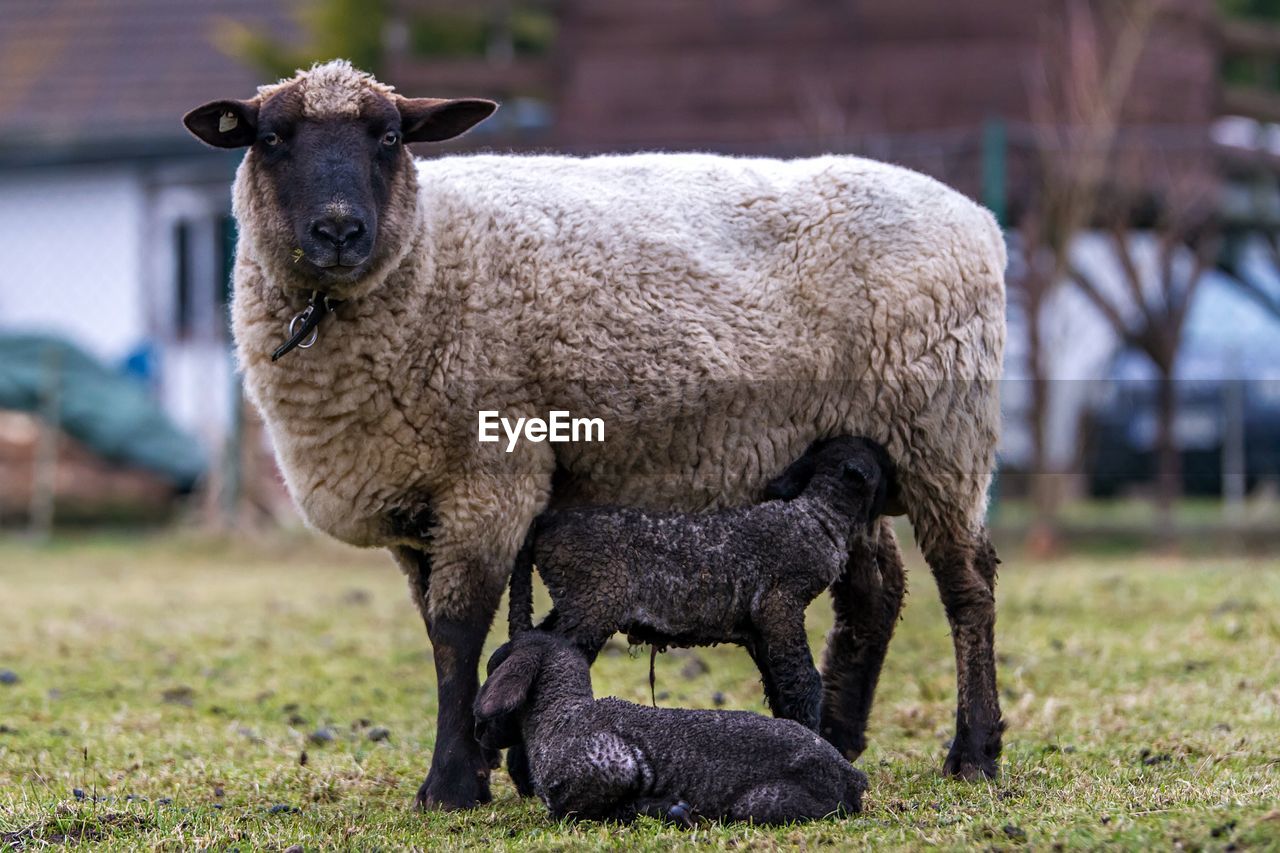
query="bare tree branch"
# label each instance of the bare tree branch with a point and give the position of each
(1267, 300)
(1094, 294)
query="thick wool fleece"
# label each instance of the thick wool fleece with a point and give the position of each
(610, 759)
(718, 314)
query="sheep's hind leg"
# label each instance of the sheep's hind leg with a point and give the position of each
(965, 571)
(758, 651)
(867, 599)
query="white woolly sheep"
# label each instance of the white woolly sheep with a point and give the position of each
(718, 314)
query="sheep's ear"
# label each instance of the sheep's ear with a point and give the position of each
(437, 119)
(792, 481)
(508, 687)
(224, 124)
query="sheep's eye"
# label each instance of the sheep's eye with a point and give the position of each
(391, 138)
(272, 139)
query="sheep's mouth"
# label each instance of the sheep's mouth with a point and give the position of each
(335, 263)
(338, 272)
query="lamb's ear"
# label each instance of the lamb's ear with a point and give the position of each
(437, 119)
(855, 471)
(224, 124)
(792, 481)
(508, 687)
(887, 501)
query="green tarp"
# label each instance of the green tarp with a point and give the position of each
(105, 410)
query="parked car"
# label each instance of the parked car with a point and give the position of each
(1120, 429)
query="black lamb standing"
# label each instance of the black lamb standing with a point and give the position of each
(608, 759)
(740, 576)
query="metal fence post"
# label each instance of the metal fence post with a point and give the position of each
(995, 159)
(44, 471)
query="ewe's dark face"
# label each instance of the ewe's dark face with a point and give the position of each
(331, 178)
(330, 182)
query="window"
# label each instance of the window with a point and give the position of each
(203, 257)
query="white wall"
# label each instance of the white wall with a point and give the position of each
(87, 253)
(71, 260)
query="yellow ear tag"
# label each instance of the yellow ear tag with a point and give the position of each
(227, 121)
(297, 255)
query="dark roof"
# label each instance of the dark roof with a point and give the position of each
(76, 75)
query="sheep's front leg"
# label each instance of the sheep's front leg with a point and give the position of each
(867, 599)
(459, 776)
(472, 550)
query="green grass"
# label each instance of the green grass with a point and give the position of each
(1142, 696)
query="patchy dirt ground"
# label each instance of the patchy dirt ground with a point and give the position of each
(179, 693)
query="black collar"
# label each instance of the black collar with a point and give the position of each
(304, 328)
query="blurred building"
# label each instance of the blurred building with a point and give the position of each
(117, 228)
(920, 82)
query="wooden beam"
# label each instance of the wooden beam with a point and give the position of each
(1251, 102)
(1249, 38)
(468, 76)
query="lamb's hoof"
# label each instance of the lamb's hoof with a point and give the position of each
(850, 746)
(682, 814)
(464, 791)
(963, 764)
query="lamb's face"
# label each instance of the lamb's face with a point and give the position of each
(327, 192)
(858, 470)
(514, 670)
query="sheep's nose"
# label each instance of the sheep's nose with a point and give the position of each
(338, 230)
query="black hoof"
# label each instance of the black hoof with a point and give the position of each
(965, 764)
(848, 745)
(464, 790)
(682, 814)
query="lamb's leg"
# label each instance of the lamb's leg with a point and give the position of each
(519, 770)
(517, 756)
(678, 813)
(797, 687)
(965, 569)
(867, 599)
(777, 803)
(758, 650)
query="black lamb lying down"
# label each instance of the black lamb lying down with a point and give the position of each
(608, 759)
(743, 575)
